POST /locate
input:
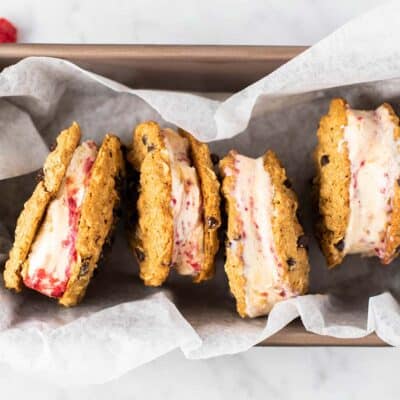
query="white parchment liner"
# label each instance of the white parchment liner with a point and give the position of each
(121, 324)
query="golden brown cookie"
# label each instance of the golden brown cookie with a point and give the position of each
(153, 238)
(29, 220)
(209, 184)
(290, 242)
(97, 217)
(234, 266)
(152, 241)
(332, 182)
(58, 160)
(393, 228)
(287, 237)
(146, 138)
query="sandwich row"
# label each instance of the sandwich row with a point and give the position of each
(174, 223)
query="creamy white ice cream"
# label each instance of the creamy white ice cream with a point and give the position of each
(375, 168)
(253, 193)
(53, 251)
(188, 252)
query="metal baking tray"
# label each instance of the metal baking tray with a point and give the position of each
(189, 68)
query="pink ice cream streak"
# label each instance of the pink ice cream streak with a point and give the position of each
(54, 250)
(375, 168)
(186, 204)
(253, 194)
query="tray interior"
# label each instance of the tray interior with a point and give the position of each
(189, 68)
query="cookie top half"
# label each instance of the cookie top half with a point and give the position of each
(97, 217)
(31, 216)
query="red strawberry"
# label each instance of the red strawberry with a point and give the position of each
(8, 32)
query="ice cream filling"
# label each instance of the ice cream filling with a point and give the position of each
(252, 195)
(374, 160)
(188, 252)
(54, 250)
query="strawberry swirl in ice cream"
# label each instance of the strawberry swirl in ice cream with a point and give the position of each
(375, 168)
(253, 194)
(188, 250)
(53, 252)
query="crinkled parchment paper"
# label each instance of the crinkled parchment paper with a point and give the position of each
(121, 324)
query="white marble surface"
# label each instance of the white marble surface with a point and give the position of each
(260, 373)
(301, 373)
(180, 22)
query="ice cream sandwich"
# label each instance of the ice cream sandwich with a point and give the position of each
(357, 183)
(178, 211)
(266, 249)
(61, 231)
